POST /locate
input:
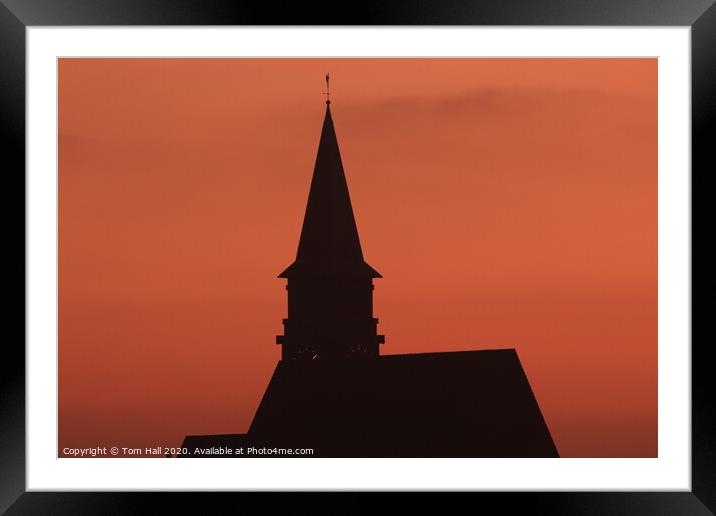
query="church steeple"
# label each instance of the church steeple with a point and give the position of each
(329, 242)
(330, 286)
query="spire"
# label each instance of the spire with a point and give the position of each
(329, 243)
(328, 90)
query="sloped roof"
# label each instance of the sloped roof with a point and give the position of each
(461, 404)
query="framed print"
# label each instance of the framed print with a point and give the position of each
(446, 249)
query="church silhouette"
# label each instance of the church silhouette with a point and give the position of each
(333, 392)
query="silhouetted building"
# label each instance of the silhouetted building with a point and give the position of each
(460, 404)
(334, 393)
(330, 286)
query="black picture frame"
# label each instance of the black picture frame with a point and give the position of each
(700, 15)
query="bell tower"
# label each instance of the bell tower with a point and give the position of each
(330, 286)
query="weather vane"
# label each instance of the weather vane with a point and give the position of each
(328, 89)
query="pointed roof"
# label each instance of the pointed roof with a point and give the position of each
(329, 241)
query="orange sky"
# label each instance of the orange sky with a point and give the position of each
(506, 202)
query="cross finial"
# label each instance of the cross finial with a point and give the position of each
(328, 89)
